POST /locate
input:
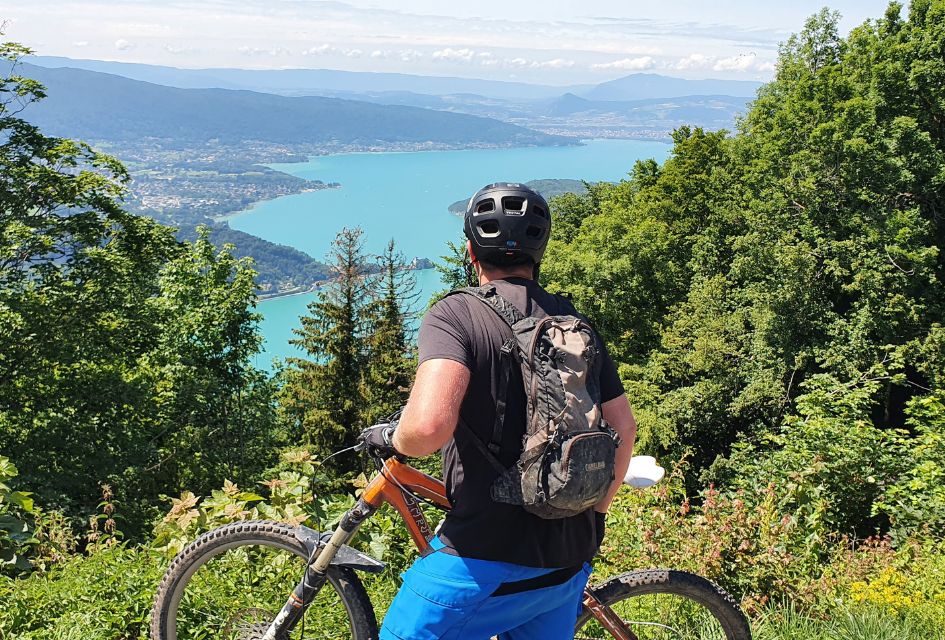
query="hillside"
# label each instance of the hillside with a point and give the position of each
(99, 106)
(279, 268)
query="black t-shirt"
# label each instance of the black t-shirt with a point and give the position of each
(465, 330)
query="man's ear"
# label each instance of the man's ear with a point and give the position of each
(469, 250)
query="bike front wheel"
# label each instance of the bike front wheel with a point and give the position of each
(230, 583)
(664, 604)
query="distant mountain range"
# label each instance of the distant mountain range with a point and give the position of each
(99, 106)
(637, 86)
(305, 81)
(643, 86)
(711, 112)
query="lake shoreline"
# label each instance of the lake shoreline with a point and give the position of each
(301, 291)
(405, 196)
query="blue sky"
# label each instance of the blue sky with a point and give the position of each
(550, 41)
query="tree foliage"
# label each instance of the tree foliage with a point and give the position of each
(124, 354)
(359, 365)
(736, 280)
(390, 368)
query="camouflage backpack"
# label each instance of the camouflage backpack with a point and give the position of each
(567, 461)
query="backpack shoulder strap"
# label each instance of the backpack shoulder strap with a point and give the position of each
(505, 310)
(490, 296)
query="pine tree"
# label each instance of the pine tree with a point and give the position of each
(456, 270)
(321, 395)
(391, 364)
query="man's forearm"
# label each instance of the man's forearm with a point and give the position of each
(619, 415)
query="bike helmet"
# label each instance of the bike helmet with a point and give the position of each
(507, 224)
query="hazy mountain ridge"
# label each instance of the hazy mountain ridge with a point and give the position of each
(635, 86)
(620, 108)
(641, 86)
(709, 111)
(99, 106)
(293, 81)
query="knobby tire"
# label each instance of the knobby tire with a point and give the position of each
(261, 533)
(698, 591)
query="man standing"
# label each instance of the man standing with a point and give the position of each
(497, 569)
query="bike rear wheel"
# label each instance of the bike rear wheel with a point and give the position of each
(230, 583)
(664, 604)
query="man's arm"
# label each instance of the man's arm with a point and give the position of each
(432, 411)
(619, 416)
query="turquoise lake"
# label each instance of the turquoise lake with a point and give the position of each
(405, 196)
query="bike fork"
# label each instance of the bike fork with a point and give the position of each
(607, 618)
(316, 572)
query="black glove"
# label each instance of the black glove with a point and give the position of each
(378, 441)
(599, 522)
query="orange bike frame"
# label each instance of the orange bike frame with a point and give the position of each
(388, 486)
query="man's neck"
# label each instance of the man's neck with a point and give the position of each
(488, 275)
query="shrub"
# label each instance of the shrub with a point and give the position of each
(915, 502)
(17, 524)
(103, 596)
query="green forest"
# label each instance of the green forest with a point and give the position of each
(774, 297)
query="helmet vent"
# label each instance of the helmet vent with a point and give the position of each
(488, 228)
(534, 232)
(541, 212)
(512, 204)
(485, 206)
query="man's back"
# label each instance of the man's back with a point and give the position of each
(495, 569)
(465, 330)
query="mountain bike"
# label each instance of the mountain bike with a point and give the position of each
(232, 582)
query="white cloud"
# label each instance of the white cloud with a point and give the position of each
(627, 64)
(410, 55)
(742, 63)
(262, 51)
(515, 40)
(318, 50)
(693, 61)
(455, 55)
(175, 50)
(327, 49)
(557, 63)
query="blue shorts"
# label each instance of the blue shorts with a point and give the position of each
(446, 597)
